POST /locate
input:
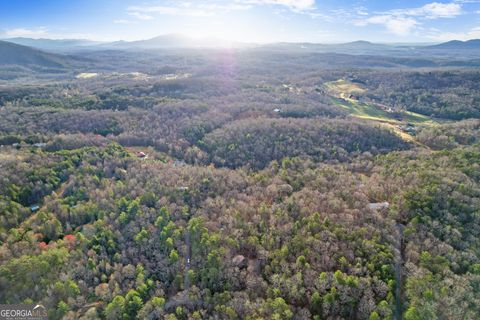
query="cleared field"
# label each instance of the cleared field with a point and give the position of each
(343, 88)
(86, 75)
(343, 93)
(372, 112)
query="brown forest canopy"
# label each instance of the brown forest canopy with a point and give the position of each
(275, 184)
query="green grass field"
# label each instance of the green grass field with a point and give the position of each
(341, 91)
(372, 112)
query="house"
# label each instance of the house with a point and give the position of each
(408, 128)
(276, 110)
(39, 144)
(34, 207)
(142, 155)
(240, 261)
(378, 205)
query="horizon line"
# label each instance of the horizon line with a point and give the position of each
(236, 41)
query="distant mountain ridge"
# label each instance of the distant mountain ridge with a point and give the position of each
(173, 40)
(15, 54)
(457, 44)
(52, 44)
(168, 40)
(177, 40)
(361, 43)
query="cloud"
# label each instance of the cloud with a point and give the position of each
(296, 5)
(362, 11)
(432, 10)
(140, 16)
(140, 12)
(402, 22)
(122, 21)
(45, 33)
(190, 9)
(436, 10)
(467, 1)
(216, 7)
(27, 33)
(400, 26)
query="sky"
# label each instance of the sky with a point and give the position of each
(324, 21)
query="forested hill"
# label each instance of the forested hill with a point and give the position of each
(473, 44)
(14, 54)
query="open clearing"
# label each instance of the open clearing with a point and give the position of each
(344, 92)
(86, 75)
(372, 112)
(344, 96)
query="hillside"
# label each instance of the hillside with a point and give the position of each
(14, 54)
(457, 44)
(54, 44)
(173, 40)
